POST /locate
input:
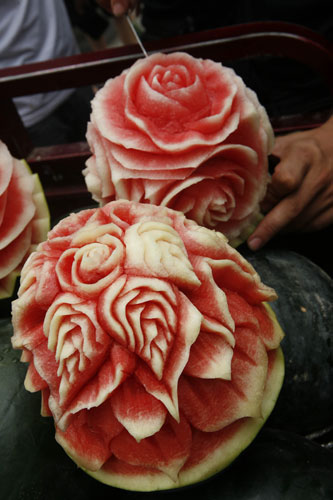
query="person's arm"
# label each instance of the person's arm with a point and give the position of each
(300, 195)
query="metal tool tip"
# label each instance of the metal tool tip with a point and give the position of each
(130, 23)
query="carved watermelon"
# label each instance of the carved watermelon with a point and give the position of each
(24, 217)
(151, 342)
(185, 133)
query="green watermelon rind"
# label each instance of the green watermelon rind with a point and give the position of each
(219, 459)
(247, 231)
(41, 223)
(8, 284)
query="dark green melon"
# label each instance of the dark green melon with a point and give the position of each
(278, 465)
(304, 309)
(32, 465)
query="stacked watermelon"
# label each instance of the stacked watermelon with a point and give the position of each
(24, 217)
(184, 133)
(149, 337)
(152, 344)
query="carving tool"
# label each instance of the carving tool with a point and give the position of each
(137, 38)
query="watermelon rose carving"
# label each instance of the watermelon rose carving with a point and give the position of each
(24, 217)
(184, 133)
(151, 342)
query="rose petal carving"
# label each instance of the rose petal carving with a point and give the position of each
(156, 249)
(135, 312)
(141, 314)
(23, 217)
(97, 263)
(185, 133)
(77, 340)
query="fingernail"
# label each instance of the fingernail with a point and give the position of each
(118, 9)
(254, 243)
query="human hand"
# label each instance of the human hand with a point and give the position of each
(118, 7)
(300, 195)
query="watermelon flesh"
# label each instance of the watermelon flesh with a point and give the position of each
(173, 127)
(24, 217)
(152, 343)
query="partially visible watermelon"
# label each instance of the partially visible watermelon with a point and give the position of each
(184, 133)
(277, 466)
(152, 343)
(305, 295)
(24, 217)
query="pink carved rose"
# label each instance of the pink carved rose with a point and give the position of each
(184, 133)
(124, 313)
(24, 218)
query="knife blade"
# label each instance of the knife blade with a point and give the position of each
(137, 38)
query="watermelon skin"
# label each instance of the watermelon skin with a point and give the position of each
(306, 295)
(278, 465)
(24, 218)
(112, 313)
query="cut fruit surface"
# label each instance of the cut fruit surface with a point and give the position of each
(185, 133)
(24, 217)
(158, 367)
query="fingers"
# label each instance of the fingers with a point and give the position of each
(279, 217)
(121, 7)
(296, 160)
(322, 220)
(117, 7)
(288, 175)
(300, 195)
(316, 215)
(308, 208)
